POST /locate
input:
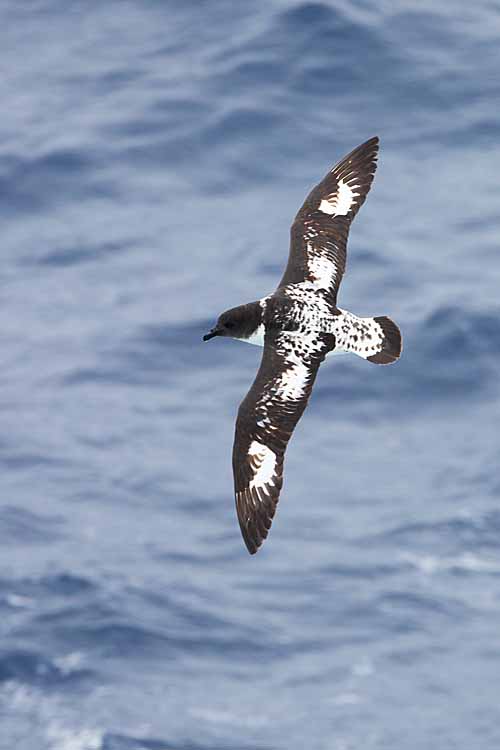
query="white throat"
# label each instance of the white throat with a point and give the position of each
(257, 337)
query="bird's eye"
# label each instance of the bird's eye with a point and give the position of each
(229, 324)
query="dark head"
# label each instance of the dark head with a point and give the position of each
(238, 323)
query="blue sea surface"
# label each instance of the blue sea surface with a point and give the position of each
(152, 157)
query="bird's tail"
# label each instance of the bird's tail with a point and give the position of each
(376, 339)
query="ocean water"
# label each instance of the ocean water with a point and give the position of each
(152, 157)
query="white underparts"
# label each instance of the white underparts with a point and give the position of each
(257, 336)
(341, 202)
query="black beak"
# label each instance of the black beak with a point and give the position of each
(211, 334)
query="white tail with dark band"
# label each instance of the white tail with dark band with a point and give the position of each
(376, 339)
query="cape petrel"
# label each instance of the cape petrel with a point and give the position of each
(299, 325)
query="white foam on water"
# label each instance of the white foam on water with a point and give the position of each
(430, 564)
(63, 738)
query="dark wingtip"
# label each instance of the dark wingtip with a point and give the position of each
(371, 143)
(253, 540)
(258, 517)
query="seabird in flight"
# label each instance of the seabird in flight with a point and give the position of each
(299, 325)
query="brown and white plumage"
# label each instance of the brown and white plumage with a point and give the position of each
(318, 236)
(300, 324)
(265, 422)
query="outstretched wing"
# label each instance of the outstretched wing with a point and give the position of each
(266, 420)
(319, 232)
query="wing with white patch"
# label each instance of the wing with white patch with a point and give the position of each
(319, 233)
(266, 420)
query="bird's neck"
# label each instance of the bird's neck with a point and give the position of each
(257, 336)
(251, 329)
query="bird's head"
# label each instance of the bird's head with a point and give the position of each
(238, 322)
